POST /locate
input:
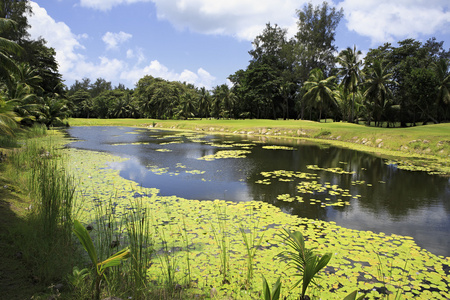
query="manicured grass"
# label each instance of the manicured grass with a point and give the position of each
(428, 146)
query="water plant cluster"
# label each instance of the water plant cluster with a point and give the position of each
(205, 247)
(181, 248)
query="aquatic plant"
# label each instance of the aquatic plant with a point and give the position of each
(252, 243)
(96, 181)
(168, 260)
(386, 276)
(276, 290)
(102, 266)
(141, 239)
(188, 252)
(222, 239)
(305, 262)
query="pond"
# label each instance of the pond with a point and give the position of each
(354, 189)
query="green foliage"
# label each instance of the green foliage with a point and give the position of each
(354, 296)
(252, 243)
(222, 239)
(100, 267)
(319, 91)
(304, 261)
(78, 276)
(267, 294)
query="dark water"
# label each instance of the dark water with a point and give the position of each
(390, 200)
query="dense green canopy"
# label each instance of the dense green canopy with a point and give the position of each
(304, 77)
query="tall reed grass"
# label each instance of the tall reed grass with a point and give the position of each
(45, 238)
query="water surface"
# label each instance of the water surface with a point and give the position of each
(373, 195)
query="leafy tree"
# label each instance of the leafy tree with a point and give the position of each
(422, 91)
(27, 106)
(7, 115)
(268, 47)
(53, 111)
(99, 86)
(84, 84)
(350, 70)
(77, 103)
(16, 10)
(442, 71)
(409, 62)
(315, 38)
(187, 106)
(378, 92)
(8, 48)
(204, 103)
(269, 63)
(319, 91)
(29, 77)
(42, 59)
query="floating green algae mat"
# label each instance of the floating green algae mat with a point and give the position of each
(225, 154)
(354, 265)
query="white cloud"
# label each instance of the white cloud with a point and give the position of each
(58, 35)
(390, 21)
(112, 40)
(380, 20)
(74, 66)
(105, 5)
(243, 19)
(156, 69)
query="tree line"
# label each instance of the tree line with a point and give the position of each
(303, 77)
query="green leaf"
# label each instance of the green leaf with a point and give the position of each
(266, 289)
(115, 259)
(85, 240)
(276, 290)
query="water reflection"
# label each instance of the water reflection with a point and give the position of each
(383, 198)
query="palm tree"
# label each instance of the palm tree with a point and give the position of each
(8, 48)
(28, 77)
(7, 68)
(53, 111)
(378, 92)
(187, 104)
(350, 62)
(320, 90)
(204, 102)
(7, 116)
(227, 99)
(441, 69)
(26, 107)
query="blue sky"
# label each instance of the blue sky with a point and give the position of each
(204, 41)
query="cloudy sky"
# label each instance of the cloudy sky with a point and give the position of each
(204, 41)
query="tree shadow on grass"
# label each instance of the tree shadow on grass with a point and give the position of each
(16, 278)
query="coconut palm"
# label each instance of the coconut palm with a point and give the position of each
(7, 68)
(7, 48)
(29, 77)
(187, 106)
(7, 116)
(378, 81)
(204, 102)
(53, 111)
(350, 69)
(304, 261)
(320, 90)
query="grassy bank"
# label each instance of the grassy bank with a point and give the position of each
(425, 148)
(36, 217)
